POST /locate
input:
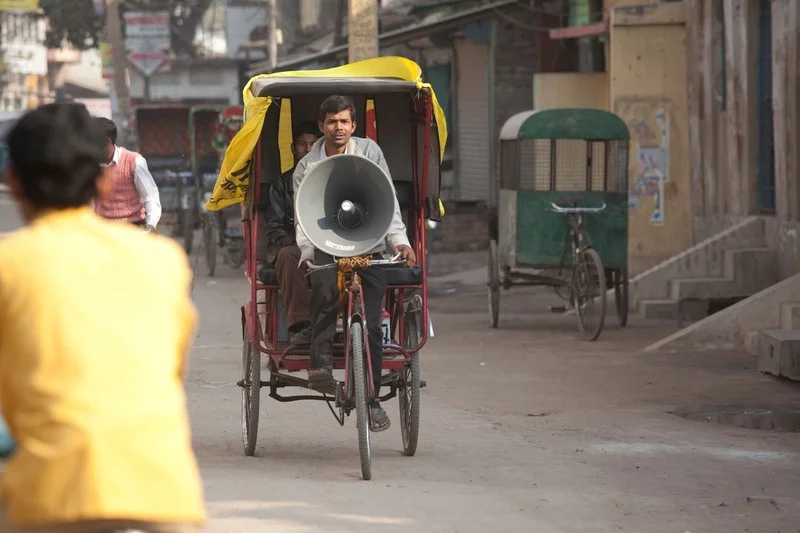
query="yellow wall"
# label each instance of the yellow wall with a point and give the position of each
(648, 91)
(570, 89)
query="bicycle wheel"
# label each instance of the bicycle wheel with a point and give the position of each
(361, 382)
(621, 296)
(588, 289)
(212, 240)
(251, 396)
(494, 284)
(409, 391)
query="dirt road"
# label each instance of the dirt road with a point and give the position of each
(524, 429)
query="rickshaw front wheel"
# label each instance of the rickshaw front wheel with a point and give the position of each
(589, 293)
(362, 395)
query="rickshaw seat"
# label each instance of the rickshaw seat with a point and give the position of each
(403, 276)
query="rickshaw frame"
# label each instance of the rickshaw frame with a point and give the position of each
(405, 301)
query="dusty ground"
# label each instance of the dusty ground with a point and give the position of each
(524, 428)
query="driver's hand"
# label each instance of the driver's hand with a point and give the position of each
(150, 229)
(407, 253)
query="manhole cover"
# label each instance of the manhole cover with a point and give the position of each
(764, 418)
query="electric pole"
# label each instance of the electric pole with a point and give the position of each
(273, 34)
(362, 24)
(114, 36)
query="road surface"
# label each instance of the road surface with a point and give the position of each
(524, 429)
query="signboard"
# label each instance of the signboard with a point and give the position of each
(98, 107)
(147, 40)
(107, 60)
(19, 5)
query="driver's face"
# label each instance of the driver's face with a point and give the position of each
(338, 128)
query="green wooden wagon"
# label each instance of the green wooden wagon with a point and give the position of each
(562, 212)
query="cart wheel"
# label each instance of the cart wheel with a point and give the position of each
(212, 241)
(588, 289)
(621, 296)
(494, 284)
(361, 382)
(251, 395)
(188, 230)
(408, 393)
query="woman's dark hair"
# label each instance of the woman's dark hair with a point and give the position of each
(108, 127)
(336, 104)
(55, 152)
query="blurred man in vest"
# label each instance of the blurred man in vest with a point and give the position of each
(134, 195)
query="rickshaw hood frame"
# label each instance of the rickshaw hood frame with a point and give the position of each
(234, 175)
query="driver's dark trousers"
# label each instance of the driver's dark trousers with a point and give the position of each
(324, 300)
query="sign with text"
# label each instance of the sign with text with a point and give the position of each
(19, 5)
(147, 40)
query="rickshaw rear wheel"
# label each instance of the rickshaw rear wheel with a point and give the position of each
(621, 296)
(251, 396)
(212, 238)
(589, 284)
(494, 284)
(362, 395)
(409, 387)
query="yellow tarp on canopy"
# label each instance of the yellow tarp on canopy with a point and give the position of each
(234, 174)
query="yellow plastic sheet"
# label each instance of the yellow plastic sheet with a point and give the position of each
(234, 175)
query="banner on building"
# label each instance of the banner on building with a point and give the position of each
(19, 5)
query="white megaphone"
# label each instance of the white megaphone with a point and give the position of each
(345, 205)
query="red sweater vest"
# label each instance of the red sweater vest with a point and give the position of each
(125, 202)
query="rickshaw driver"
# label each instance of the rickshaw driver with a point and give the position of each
(337, 121)
(281, 249)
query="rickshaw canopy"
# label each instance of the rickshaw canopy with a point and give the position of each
(586, 124)
(372, 76)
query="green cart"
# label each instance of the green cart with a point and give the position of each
(561, 217)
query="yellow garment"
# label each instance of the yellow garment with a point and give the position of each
(96, 322)
(234, 173)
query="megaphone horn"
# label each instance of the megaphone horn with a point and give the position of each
(345, 205)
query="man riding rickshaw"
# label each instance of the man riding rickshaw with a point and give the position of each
(360, 207)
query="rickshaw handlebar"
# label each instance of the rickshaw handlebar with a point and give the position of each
(396, 260)
(559, 209)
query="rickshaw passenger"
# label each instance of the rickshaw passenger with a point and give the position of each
(94, 343)
(134, 194)
(281, 248)
(337, 121)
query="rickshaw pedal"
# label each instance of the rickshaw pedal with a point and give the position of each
(557, 309)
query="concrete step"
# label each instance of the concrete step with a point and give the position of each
(746, 271)
(658, 309)
(790, 315)
(779, 353)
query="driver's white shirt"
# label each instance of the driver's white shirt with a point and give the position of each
(357, 146)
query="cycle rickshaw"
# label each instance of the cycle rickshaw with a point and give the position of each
(411, 130)
(562, 212)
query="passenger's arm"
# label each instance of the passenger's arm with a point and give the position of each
(306, 248)
(188, 320)
(148, 190)
(275, 214)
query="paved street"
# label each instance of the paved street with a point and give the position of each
(524, 429)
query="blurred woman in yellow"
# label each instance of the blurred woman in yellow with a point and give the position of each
(96, 322)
